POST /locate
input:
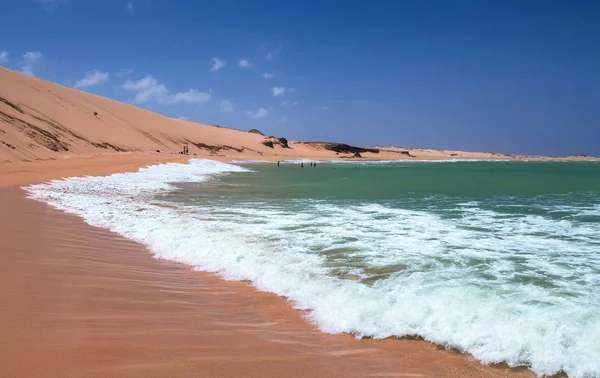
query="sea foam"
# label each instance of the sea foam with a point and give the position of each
(509, 293)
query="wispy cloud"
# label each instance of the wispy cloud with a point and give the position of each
(149, 89)
(4, 57)
(225, 106)
(30, 61)
(192, 96)
(183, 118)
(217, 64)
(289, 104)
(129, 5)
(324, 107)
(283, 119)
(278, 91)
(273, 53)
(260, 113)
(245, 63)
(268, 75)
(124, 72)
(51, 5)
(94, 77)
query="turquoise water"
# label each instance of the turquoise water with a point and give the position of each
(498, 259)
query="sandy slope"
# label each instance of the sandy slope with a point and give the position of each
(41, 120)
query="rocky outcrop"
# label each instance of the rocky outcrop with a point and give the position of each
(347, 149)
(275, 141)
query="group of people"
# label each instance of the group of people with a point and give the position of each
(312, 164)
(186, 149)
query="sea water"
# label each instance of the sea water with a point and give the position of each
(500, 260)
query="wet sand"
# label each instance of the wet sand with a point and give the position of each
(77, 300)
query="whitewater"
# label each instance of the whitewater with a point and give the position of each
(517, 286)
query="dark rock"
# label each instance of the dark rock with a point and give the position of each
(271, 141)
(256, 131)
(347, 149)
(284, 142)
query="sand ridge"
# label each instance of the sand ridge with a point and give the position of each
(40, 120)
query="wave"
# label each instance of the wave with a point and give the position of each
(524, 291)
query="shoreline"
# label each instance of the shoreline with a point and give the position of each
(30, 172)
(72, 247)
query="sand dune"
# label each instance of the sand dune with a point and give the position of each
(40, 120)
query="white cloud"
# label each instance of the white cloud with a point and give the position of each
(283, 119)
(124, 72)
(260, 113)
(51, 5)
(268, 75)
(289, 104)
(30, 61)
(245, 63)
(225, 106)
(192, 96)
(94, 77)
(217, 64)
(324, 107)
(149, 89)
(273, 54)
(3, 57)
(278, 91)
(129, 5)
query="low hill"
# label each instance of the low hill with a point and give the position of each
(43, 120)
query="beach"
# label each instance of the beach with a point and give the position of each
(81, 301)
(140, 260)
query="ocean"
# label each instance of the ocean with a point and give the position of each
(500, 260)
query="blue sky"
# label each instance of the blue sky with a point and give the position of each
(506, 76)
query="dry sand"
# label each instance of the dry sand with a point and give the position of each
(42, 120)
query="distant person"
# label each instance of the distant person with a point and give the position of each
(302, 165)
(315, 165)
(278, 163)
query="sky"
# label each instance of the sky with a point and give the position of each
(481, 75)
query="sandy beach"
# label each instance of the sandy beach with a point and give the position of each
(76, 300)
(299, 189)
(81, 301)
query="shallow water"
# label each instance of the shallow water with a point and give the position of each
(498, 259)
